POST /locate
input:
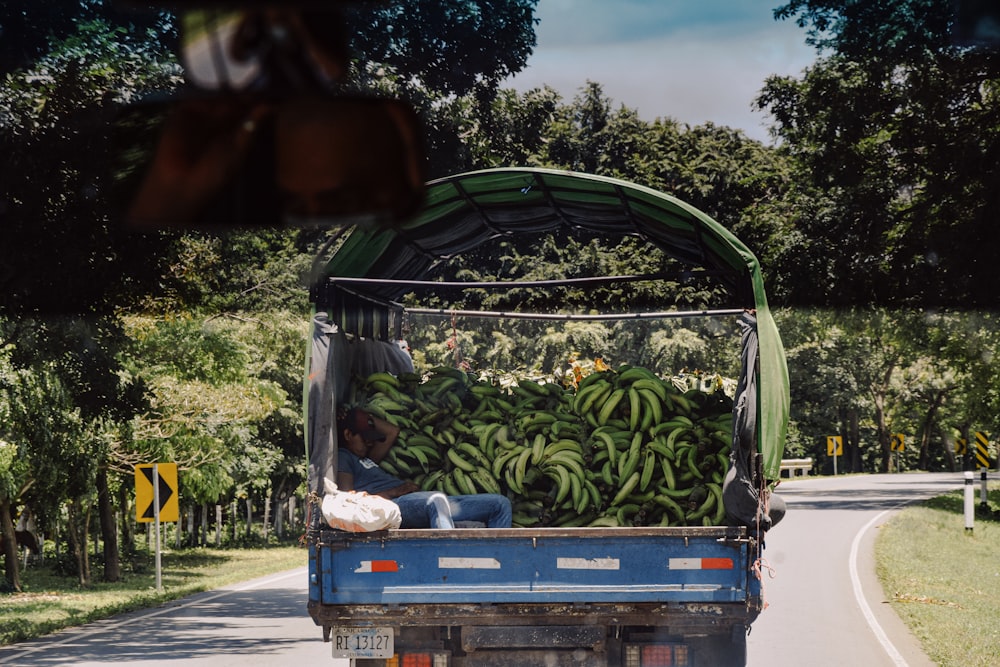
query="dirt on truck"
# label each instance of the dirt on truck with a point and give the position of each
(640, 495)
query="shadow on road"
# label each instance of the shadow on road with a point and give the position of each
(215, 625)
(888, 494)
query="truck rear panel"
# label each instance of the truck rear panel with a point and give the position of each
(549, 565)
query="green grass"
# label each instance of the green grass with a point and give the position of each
(944, 581)
(50, 602)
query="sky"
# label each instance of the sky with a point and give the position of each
(694, 61)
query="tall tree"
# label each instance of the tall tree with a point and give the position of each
(894, 130)
(91, 385)
(28, 28)
(827, 396)
(454, 46)
(65, 266)
(62, 253)
(44, 435)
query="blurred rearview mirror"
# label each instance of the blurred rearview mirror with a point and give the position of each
(248, 160)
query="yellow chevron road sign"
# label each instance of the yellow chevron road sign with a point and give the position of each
(982, 450)
(144, 493)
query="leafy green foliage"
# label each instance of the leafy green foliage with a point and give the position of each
(902, 30)
(541, 346)
(868, 374)
(41, 422)
(29, 27)
(894, 136)
(210, 400)
(61, 253)
(448, 45)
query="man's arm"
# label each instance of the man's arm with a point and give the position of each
(378, 452)
(397, 491)
(345, 481)
(391, 433)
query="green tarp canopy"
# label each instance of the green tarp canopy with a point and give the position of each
(466, 210)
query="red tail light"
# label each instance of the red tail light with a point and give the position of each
(657, 655)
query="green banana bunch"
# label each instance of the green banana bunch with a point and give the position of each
(625, 448)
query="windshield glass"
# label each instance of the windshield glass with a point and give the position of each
(830, 165)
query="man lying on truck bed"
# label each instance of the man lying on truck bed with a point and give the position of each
(364, 442)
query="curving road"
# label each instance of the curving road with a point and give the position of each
(825, 606)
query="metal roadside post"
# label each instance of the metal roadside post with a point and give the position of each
(156, 525)
(970, 509)
(983, 463)
(834, 448)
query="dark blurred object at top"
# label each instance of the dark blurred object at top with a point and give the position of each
(262, 137)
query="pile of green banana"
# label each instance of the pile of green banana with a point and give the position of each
(623, 448)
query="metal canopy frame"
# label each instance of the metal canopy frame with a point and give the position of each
(507, 284)
(570, 317)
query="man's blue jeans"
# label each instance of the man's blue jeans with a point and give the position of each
(432, 509)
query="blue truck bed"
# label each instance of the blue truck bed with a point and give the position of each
(546, 565)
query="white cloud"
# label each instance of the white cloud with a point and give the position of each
(691, 67)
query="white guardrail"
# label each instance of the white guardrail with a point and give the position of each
(796, 467)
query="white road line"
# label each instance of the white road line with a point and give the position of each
(859, 594)
(100, 627)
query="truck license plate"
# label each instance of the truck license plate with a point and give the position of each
(362, 642)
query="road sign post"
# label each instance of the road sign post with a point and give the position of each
(834, 448)
(156, 523)
(983, 463)
(156, 502)
(896, 444)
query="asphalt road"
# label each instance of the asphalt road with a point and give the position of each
(825, 605)
(255, 624)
